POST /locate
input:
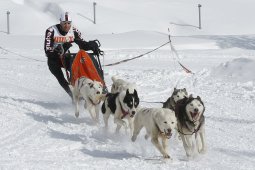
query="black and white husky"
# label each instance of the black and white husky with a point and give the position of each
(122, 105)
(190, 122)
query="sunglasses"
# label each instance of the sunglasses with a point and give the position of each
(66, 22)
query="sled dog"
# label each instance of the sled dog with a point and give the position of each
(119, 85)
(121, 105)
(91, 92)
(159, 123)
(177, 95)
(190, 123)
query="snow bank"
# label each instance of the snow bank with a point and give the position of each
(239, 70)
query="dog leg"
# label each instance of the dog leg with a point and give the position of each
(189, 145)
(165, 144)
(118, 128)
(106, 117)
(131, 126)
(120, 123)
(92, 112)
(137, 129)
(202, 137)
(97, 110)
(185, 145)
(156, 143)
(76, 104)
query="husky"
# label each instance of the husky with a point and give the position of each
(91, 92)
(177, 95)
(190, 123)
(120, 85)
(122, 105)
(159, 123)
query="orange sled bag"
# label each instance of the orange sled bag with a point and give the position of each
(85, 65)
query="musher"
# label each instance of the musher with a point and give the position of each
(58, 39)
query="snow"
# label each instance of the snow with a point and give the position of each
(37, 123)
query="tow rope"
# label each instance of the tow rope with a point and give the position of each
(177, 55)
(4, 49)
(126, 60)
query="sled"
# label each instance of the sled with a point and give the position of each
(83, 64)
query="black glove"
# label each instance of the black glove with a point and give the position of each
(91, 45)
(94, 46)
(59, 50)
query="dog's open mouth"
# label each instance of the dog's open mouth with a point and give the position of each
(168, 133)
(194, 115)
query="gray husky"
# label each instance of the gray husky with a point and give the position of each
(177, 95)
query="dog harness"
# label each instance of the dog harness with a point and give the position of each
(124, 113)
(201, 120)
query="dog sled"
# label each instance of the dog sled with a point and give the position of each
(83, 64)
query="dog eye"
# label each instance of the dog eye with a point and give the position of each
(199, 104)
(172, 122)
(165, 122)
(191, 104)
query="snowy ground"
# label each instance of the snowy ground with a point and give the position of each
(39, 131)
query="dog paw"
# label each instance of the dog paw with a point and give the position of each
(202, 151)
(166, 156)
(77, 114)
(133, 138)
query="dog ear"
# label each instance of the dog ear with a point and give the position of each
(135, 93)
(90, 85)
(198, 97)
(127, 92)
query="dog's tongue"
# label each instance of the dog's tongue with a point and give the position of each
(194, 114)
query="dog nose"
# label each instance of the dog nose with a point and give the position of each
(169, 130)
(133, 112)
(195, 110)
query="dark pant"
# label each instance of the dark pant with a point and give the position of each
(55, 68)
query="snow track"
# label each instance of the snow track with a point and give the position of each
(39, 130)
